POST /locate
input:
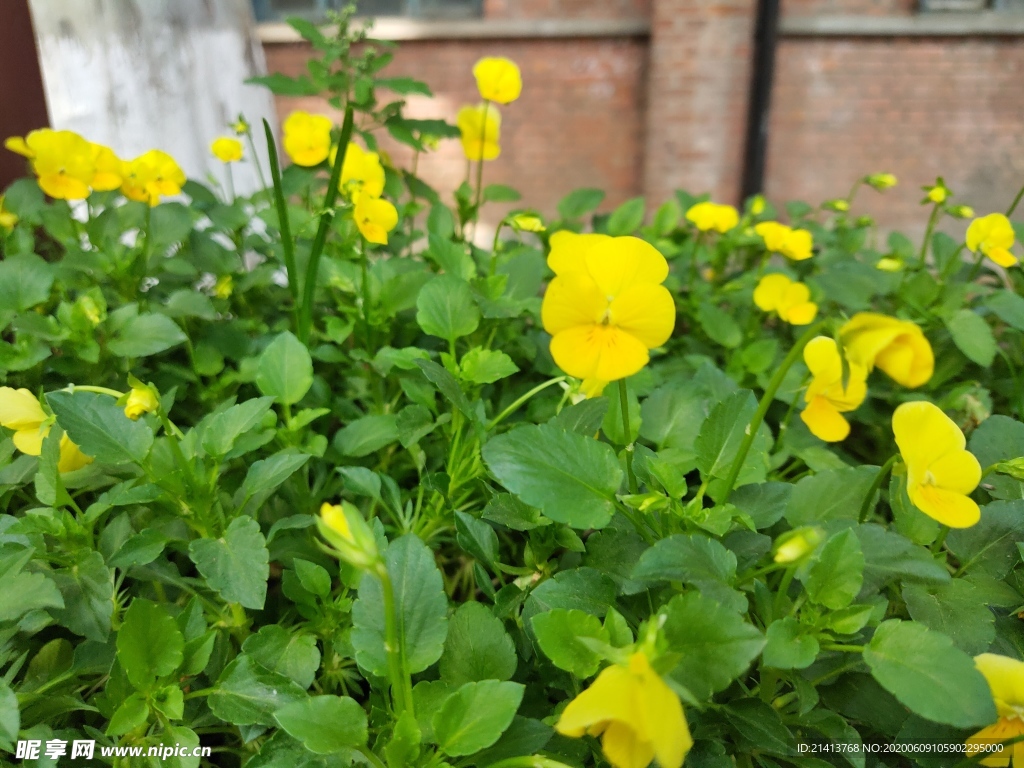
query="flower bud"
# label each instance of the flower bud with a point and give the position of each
(142, 399)
(962, 211)
(224, 287)
(346, 530)
(889, 264)
(839, 204)
(1014, 468)
(757, 205)
(798, 544)
(881, 181)
(526, 222)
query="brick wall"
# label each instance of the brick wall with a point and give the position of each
(914, 107)
(566, 9)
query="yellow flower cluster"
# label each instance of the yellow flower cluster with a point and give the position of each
(795, 244)
(791, 301)
(68, 167)
(638, 717)
(498, 81)
(606, 307)
(227, 149)
(708, 216)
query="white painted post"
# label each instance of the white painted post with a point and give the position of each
(155, 74)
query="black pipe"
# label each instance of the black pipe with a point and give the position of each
(756, 149)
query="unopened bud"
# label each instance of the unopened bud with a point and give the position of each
(346, 530)
(798, 544)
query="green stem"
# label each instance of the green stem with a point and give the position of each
(143, 263)
(480, 171)
(528, 761)
(762, 407)
(934, 217)
(868, 505)
(313, 267)
(375, 761)
(256, 160)
(231, 183)
(940, 539)
(364, 269)
(515, 406)
(624, 407)
(1015, 203)
(283, 224)
(401, 680)
(97, 390)
(494, 248)
(842, 647)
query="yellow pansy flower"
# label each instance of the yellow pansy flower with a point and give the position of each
(62, 161)
(141, 400)
(993, 236)
(307, 138)
(498, 79)
(940, 472)
(1005, 677)
(375, 217)
(109, 169)
(898, 347)
(606, 306)
(226, 149)
(827, 400)
(480, 129)
(7, 219)
(151, 176)
(790, 300)
(709, 216)
(21, 412)
(361, 171)
(795, 244)
(881, 181)
(346, 530)
(638, 717)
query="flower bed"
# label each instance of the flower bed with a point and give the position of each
(310, 478)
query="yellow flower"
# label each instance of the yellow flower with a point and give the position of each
(777, 293)
(375, 217)
(109, 169)
(606, 306)
(898, 347)
(881, 181)
(638, 717)
(224, 287)
(827, 400)
(992, 235)
(307, 138)
(480, 127)
(889, 264)
(241, 126)
(526, 222)
(361, 171)
(498, 79)
(22, 413)
(141, 400)
(1005, 677)
(151, 176)
(938, 194)
(757, 205)
(709, 216)
(7, 219)
(795, 244)
(62, 161)
(797, 544)
(226, 149)
(940, 472)
(347, 531)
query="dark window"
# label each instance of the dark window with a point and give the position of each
(275, 10)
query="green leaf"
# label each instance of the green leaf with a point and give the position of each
(145, 335)
(486, 366)
(580, 202)
(759, 727)
(267, 474)
(285, 652)
(133, 712)
(990, 547)
(25, 282)
(325, 724)
(248, 693)
(87, 588)
(973, 336)
(627, 218)
(366, 435)
(719, 325)
(500, 193)
(285, 370)
(10, 716)
(787, 647)
(445, 308)
(690, 558)
(571, 478)
(236, 565)
(721, 434)
(24, 592)
(834, 494)
(314, 578)
(1008, 307)
(956, 609)
(929, 675)
(98, 425)
(715, 645)
(404, 86)
(141, 549)
(585, 589)
(558, 632)
(149, 643)
(997, 438)
(475, 716)
(477, 648)
(889, 557)
(419, 600)
(224, 428)
(836, 575)
(476, 537)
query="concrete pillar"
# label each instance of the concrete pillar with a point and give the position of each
(698, 82)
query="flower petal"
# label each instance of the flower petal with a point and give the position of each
(801, 314)
(19, 409)
(948, 507)
(770, 290)
(645, 311)
(825, 421)
(661, 713)
(924, 434)
(572, 300)
(624, 749)
(1005, 677)
(958, 471)
(569, 250)
(620, 262)
(598, 351)
(30, 440)
(608, 698)
(1001, 256)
